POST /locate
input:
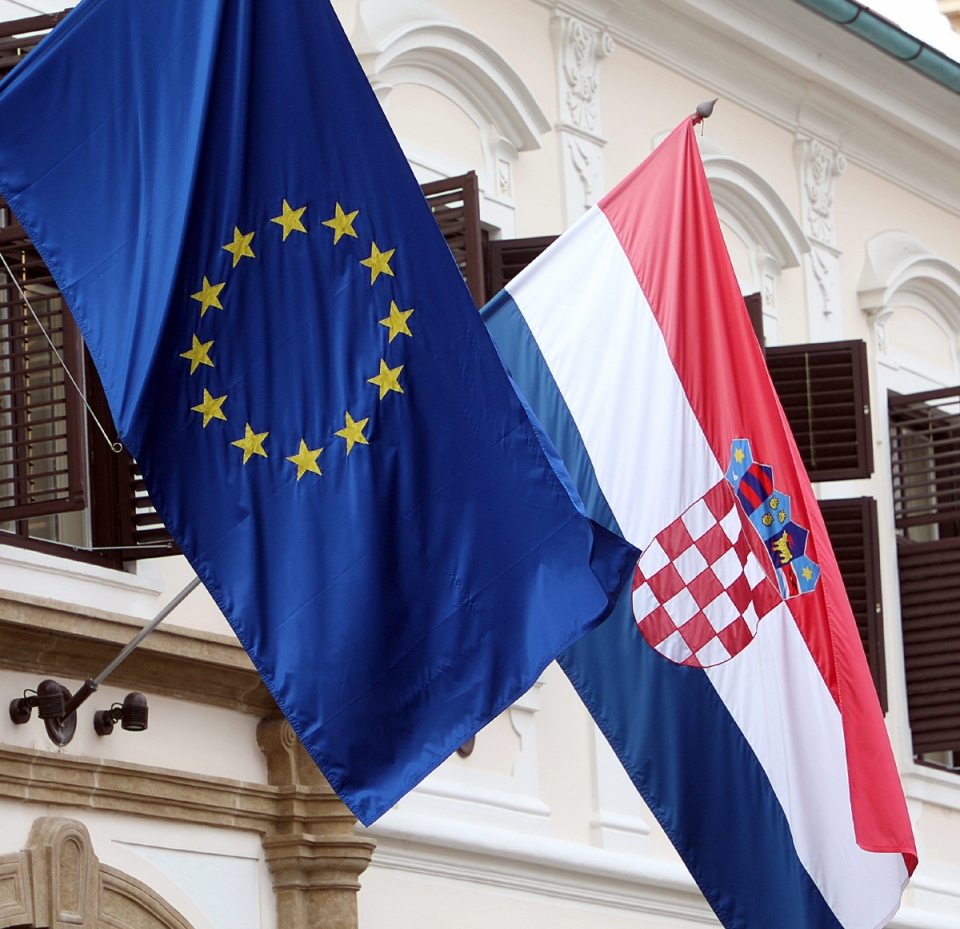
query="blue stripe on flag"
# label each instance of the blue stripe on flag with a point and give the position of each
(675, 737)
(522, 357)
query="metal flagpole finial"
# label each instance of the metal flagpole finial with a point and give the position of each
(704, 110)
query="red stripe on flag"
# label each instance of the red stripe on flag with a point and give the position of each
(665, 219)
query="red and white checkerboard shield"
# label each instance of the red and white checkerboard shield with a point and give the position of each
(704, 583)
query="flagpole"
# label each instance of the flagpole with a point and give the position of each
(92, 685)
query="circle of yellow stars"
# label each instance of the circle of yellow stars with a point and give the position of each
(386, 380)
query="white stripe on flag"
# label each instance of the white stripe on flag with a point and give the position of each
(606, 353)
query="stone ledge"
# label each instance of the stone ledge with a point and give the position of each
(63, 641)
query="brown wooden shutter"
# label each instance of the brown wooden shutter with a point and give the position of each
(930, 611)
(20, 36)
(455, 202)
(508, 257)
(825, 394)
(123, 520)
(853, 529)
(42, 456)
(754, 304)
(925, 458)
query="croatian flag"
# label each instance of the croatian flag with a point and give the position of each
(730, 680)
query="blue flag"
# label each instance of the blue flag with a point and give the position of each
(291, 355)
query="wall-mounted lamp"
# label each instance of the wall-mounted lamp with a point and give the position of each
(131, 714)
(50, 699)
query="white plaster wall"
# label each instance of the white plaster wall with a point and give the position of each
(198, 611)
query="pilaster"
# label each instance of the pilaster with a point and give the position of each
(315, 860)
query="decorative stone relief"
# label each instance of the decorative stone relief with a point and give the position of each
(56, 882)
(820, 166)
(581, 50)
(587, 160)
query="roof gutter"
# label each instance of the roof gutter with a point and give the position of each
(880, 32)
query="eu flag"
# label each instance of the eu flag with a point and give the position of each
(292, 357)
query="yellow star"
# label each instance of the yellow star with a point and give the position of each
(353, 432)
(378, 262)
(341, 224)
(251, 443)
(396, 322)
(211, 407)
(738, 454)
(290, 220)
(306, 460)
(209, 296)
(807, 574)
(387, 379)
(198, 354)
(240, 246)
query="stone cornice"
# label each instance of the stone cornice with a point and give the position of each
(63, 641)
(52, 779)
(804, 74)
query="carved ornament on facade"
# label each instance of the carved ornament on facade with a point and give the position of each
(819, 166)
(822, 167)
(583, 50)
(587, 160)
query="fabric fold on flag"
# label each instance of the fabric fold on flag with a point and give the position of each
(730, 680)
(291, 355)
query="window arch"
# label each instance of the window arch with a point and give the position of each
(913, 298)
(418, 43)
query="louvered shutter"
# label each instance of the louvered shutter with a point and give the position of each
(123, 520)
(455, 202)
(930, 611)
(852, 526)
(42, 457)
(508, 257)
(825, 394)
(925, 458)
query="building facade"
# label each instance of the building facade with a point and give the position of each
(835, 169)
